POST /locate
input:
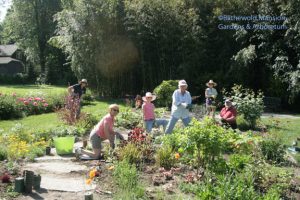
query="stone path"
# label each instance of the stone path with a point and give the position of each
(62, 176)
(268, 115)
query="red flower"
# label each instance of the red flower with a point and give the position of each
(26, 102)
(45, 104)
(37, 99)
(34, 103)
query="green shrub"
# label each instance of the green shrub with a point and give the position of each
(272, 194)
(13, 106)
(248, 103)
(267, 176)
(9, 108)
(87, 97)
(238, 162)
(228, 186)
(207, 140)
(62, 131)
(131, 153)
(272, 150)
(242, 124)
(164, 92)
(165, 157)
(128, 119)
(3, 152)
(125, 176)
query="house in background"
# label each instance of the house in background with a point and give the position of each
(10, 60)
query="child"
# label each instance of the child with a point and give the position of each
(138, 101)
(211, 95)
(148, 113)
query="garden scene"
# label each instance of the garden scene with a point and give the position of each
(126, 99)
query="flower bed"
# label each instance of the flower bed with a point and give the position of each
(14, 106)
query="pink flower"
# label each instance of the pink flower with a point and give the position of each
(34, 103)
(45, 104)
(43, 101)
(21, 99)
(30, 99)
(37, 99)
(26, 102)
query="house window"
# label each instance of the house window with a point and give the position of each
(18, 55)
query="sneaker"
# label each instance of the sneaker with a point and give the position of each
(77, 153)
(292, 150)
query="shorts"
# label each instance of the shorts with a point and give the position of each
(210, 102)
(95, 140)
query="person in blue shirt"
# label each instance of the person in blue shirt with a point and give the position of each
(76, 91)
(181, 102)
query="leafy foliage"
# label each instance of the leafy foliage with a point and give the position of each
(164, 92)
(165, 157)
(273, 150)
(248, 103)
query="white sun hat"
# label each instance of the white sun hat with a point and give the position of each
(149, 94)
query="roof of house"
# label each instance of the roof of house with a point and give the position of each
(8, 50)
(6, 60)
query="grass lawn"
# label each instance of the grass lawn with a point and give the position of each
(287, 130)
(50, 120)
(26, 90)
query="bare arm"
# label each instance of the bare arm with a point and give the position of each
(70, 89)
(110, 135)
(206, 95)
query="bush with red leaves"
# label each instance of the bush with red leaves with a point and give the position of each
(137, 135)
(5, 178)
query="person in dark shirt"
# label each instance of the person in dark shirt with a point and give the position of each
(76, 91)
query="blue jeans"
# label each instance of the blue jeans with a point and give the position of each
(173, 121)
(157, 122)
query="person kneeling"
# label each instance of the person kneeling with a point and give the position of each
(102, 131)
(228, 114)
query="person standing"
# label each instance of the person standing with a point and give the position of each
(75, 92)
(149, 115)
(181, 102)
(211, 95)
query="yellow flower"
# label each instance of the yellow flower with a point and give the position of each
(177, 156)
(92, 173)
(88, 181)
(111, 167)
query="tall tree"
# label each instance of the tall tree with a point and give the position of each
(31, 26)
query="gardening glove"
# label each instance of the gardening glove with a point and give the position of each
(120, 136)
(184, 105)
(189, 106)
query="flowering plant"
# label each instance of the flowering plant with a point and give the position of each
(137, 135)
(91, 175)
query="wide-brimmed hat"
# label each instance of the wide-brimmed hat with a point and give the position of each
(149, 94)
(182, 83)
(83, 81)
(228, 100)
(211, 82)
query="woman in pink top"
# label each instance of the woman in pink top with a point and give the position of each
(148, 113)
(102, 131)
